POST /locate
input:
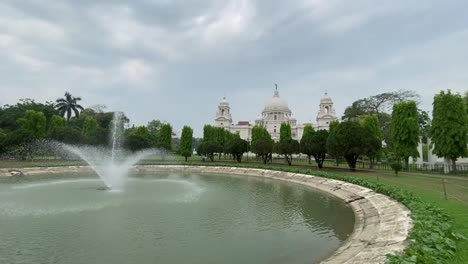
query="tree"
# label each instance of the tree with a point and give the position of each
(219, 137)
(55, 122)
(90, 129)
(424, 125)
(372, 138)
(379, 105)
(305, 142)
(138, 138)
(286, 145)
(67, 134)
(10, 114)
(68, 104)
(186, 142)
(315, 144)
(449, 127)
(347, 140)
(262, 144)
(210, 144)
(332, 149)
(236, 147)
(165, 137)
(405, 130)
(35, 122)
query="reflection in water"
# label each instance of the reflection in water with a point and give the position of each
(177, 218)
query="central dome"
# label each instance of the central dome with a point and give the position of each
(276, 104)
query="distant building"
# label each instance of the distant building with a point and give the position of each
(275, 112)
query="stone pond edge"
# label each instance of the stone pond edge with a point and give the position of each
(382, 225)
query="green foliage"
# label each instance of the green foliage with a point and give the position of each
(285, 132)
(396, 167)
(138, 138)
(449, 126)
(67, 134)
(286, 145)
(308, 129)
(305, 143)
(165, 137)
(347, 140)
(316, 145)
(185, 148)
(379, 105)
(262, 144)
(90, 129)
(66, 105)
(35, 122)
(10, 114)
(405, 130)
(424, 125)
(372, 138)
(213, 138)
(236, 147)
(154, 126)
(333, 125)
(55, 122)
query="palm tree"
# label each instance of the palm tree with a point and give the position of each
(67, 104)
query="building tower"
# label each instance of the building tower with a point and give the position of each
(326, 114)
(223, 116)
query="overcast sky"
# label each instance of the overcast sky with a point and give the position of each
(174, 60)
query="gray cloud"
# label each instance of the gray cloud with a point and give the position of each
(174, 60)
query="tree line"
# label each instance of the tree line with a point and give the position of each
(66, 121)
(368, 130)
(387, 126)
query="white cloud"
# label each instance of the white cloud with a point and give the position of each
(234, 19)
(136, 71)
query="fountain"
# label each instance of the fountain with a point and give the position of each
(111, 165)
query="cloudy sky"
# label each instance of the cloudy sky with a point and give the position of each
(174, 60)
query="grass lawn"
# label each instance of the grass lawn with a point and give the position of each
(428, 187)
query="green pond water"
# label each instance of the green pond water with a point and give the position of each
(168, 219)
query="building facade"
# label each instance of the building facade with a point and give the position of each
(275, 112)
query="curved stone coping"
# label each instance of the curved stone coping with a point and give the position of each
(381, 226)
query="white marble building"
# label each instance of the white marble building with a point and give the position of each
(275, 112)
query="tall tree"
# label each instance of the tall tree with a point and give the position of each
(236, 146)
(306, 142)
(449, 127)
(347, 140)
(10, 114)
(315, 144)
(55, 122)
(66, 105)
(165, 137)
(186, 140)
(211, 142)
(35, 122)
(90, 129)
(154, 126)
(379, 105)
(424, 125)
(372, 138)
(262, 144)
(332, 149)
(138, 138)
(286, 145)
(405, 130)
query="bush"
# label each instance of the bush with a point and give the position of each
(396, 167)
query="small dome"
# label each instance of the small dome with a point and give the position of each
(326, 99)
(224, 101)
(276, 104)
